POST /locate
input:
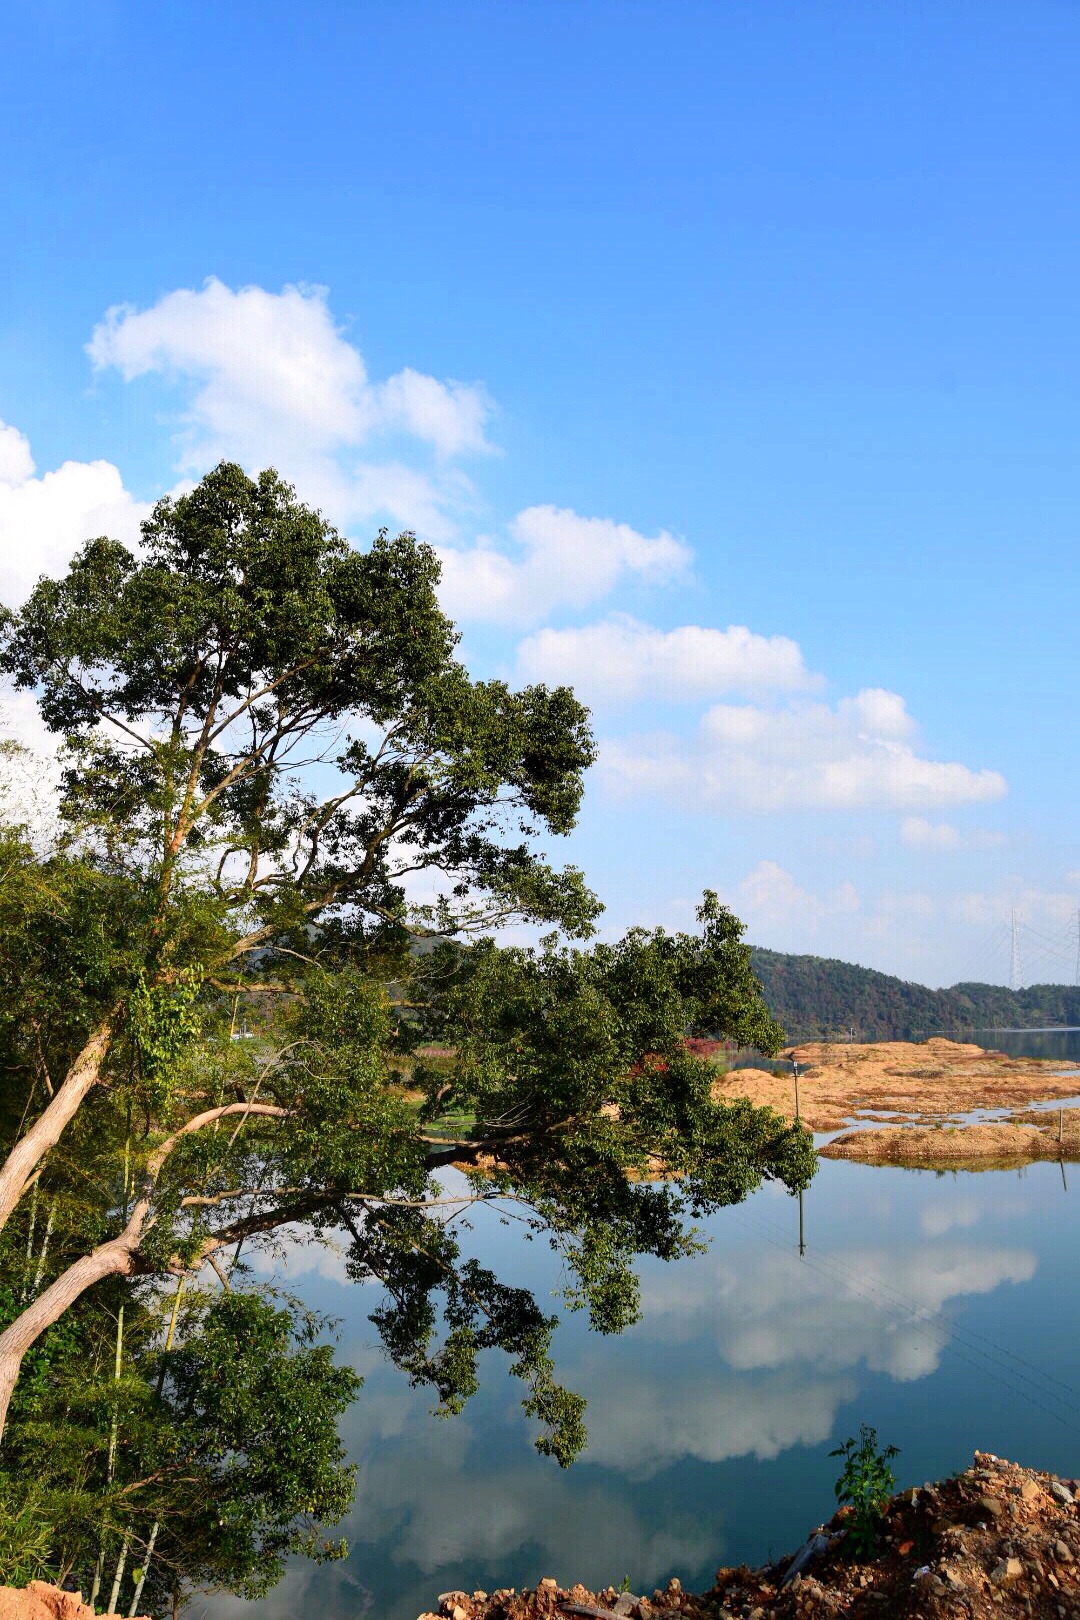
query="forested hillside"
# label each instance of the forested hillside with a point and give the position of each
(816, 996)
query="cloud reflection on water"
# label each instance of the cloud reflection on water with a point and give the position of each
(744, 1355)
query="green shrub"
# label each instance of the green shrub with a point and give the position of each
(865, 1485)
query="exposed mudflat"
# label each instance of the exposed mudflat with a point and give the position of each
(916, 1093)
(988, 1146)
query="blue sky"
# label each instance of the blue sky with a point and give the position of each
(658, 320)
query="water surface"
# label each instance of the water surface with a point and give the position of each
(943, 1308)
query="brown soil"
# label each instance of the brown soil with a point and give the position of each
(929, 1082)
(993, 1146)
(41, 1602)
(998, 1540)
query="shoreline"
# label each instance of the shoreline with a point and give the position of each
(997, 1539)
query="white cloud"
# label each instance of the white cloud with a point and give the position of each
(560, 559)
(451, 416)
(918, 833)
(1051, 910)
(273, 380)
(277, 382)
(859, 755)
(622, 660)
(770, 897)
(29, 777)
(781, 912)
(44, 520)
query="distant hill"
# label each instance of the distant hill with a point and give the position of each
(815, 996)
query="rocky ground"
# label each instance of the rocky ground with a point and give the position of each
(922, 1087)
(998, 1540)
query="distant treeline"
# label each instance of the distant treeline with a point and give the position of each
(815, 997)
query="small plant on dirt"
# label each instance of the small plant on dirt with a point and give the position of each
(865, 1485)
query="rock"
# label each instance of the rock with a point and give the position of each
(479, 1597)
(1030, 1489)
(992, 1506)
(1007, 1572)
(624, 1604)
(1063, 1552)
(550, 1582)
(1062, 1492)
(459, 1612)
(674, 1585)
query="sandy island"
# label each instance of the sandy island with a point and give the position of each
(922, 1089)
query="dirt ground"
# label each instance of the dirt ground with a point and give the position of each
(995, 1146)
(997, 1540)
(920, 1088)
(39, 1601)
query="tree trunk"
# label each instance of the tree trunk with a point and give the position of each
(115, 1258)
(48, 1128)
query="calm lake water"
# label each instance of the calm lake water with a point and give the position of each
(944, 1309)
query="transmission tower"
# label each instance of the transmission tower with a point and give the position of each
(1015, 970)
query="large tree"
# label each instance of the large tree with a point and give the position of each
(288, 813)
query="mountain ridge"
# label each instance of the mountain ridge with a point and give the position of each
(820, 997)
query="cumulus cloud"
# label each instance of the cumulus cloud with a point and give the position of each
(557, 559)
(43, 520)
(272, 379)
(860, 754)
(276, 362)
(622, 660)
(770, 895)
(277, 381)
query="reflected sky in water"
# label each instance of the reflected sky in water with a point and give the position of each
(943, 1309)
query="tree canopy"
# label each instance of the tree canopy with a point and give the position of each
(289, 814)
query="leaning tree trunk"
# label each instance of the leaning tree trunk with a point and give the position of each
(48, 1128)
(115, 1258)
(118, 1256)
